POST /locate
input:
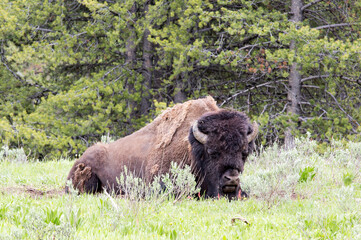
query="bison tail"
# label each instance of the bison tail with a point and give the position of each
(84, 180)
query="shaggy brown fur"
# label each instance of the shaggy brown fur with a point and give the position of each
(82, 174)
(216, 160)
(147, 152)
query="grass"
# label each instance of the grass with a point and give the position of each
(43, 175)
(295, 194)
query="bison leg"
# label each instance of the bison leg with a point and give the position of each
(84, 179)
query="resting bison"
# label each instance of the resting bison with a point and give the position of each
(214, 142)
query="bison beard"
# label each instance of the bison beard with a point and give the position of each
(214, 142)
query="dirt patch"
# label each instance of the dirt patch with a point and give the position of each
(281, 195)
(32, 192)
(297, 196)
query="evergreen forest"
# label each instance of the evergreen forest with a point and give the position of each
(74, 71)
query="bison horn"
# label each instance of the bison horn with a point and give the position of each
(253, 135)
(201, 137)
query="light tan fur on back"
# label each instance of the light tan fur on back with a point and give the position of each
(148, 151)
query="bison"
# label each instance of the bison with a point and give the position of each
(213, 141)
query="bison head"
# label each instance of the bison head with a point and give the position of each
(221, 142)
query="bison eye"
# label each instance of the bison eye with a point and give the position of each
(250, 130)
(212, 153)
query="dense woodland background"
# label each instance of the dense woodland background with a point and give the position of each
(73, 71)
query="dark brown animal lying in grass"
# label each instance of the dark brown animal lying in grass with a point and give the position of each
(214, 142)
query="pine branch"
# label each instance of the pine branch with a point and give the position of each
(314, 77)
(4, 62)
(339, 106)
(310, 4)
(328, 75)
(247, 90)
(17, 76)
(336, 25)
(351, 119)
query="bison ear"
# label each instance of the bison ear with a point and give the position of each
(252, 135)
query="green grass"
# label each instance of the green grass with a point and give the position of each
(47, 175)
(284, 203)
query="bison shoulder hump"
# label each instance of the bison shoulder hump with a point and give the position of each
(98, 151)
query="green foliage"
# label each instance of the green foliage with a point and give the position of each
(75, 219)
(307, 174)
(3, 209)
(52, 216)
(173, 234)
(348, 178)
(72, 72)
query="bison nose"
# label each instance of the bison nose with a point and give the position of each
(231, 180)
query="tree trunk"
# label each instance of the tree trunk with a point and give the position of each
(130, 45)
(130, 63)
(147, 71)
(179, 94)
(294, 90)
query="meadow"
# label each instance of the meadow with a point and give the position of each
(293, 194)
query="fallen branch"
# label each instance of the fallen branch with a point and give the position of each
(239, 218)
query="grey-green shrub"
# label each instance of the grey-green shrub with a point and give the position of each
(107, 138)
(13, 155)
(275, 172)
(179, 183)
